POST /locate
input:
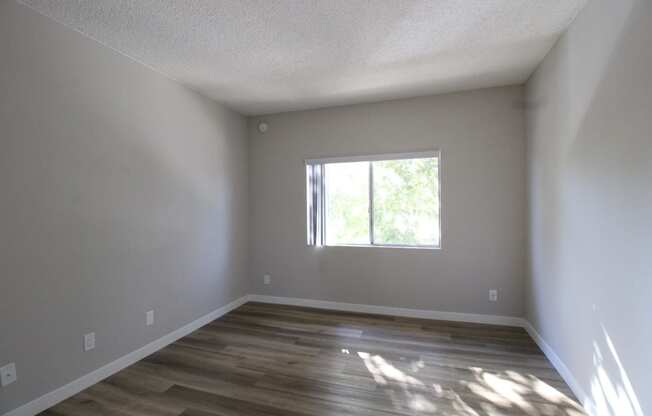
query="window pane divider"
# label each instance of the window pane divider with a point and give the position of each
(322, 203)
(371, 203)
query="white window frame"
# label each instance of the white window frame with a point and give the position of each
(316, 168)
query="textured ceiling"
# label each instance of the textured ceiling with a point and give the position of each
(265, 56)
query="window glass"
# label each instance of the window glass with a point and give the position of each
(406, 202)
(347, 203)
(386, 200)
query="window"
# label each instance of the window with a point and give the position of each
(383, 200)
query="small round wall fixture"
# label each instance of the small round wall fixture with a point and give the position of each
(262, 127)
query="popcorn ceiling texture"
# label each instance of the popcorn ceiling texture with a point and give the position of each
(266, 56)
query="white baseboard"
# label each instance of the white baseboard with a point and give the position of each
(386, 310)
(559, 365)
(50, 399)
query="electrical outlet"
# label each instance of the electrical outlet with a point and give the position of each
(89, 341)
(149, 317)
(493, 295)
(8, 374)
(267, 279)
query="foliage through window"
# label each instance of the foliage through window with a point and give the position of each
(385, 200)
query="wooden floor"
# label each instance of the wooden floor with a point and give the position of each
(281, 360)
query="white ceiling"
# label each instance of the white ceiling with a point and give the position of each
(265, 56)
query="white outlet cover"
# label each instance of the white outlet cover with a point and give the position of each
(493, 295)
(267, 279)
(150, 318)
(8, 374)
(89, 341)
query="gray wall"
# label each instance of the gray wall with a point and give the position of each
(482, 138)
(121, 192)
(590, 188)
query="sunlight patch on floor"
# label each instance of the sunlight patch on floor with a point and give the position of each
(479, 392)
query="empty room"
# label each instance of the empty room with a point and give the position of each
(325, 207)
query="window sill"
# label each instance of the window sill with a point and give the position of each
(431, 248)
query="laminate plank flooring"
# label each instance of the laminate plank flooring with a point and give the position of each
(273, 360)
